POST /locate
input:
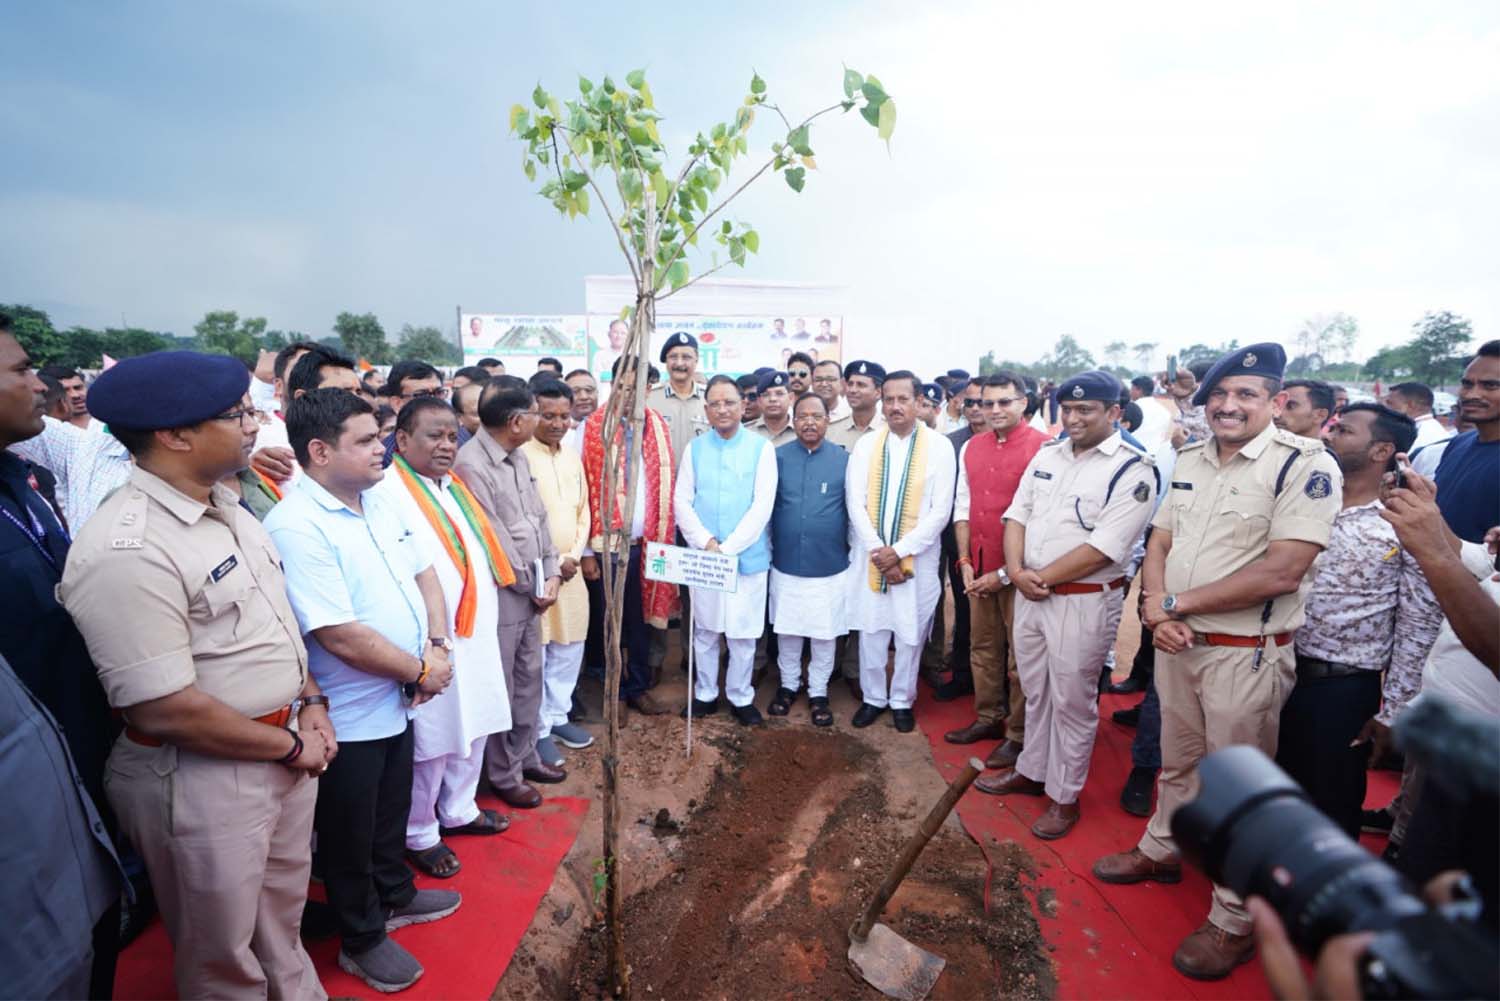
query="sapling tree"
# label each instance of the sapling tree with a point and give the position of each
(601, 152)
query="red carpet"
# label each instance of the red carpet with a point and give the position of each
(1107, 941)
(503, 880)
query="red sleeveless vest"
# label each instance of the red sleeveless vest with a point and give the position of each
(994, 471)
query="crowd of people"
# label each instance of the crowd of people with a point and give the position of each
(243, 610)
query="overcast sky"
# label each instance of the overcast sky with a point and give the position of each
(1140, 172)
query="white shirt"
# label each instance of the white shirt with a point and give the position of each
(272, 434)
(89, 465)
(1452, 671)
(1431, 439)
(1156, 423)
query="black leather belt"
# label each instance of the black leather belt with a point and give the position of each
(1316, 669)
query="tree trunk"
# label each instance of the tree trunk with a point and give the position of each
(613, 561)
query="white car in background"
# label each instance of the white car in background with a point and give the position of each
(1443, 402)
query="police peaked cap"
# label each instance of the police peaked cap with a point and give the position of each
(167, 389)
(1091, 385)
(681, 339)
(869, 369)
(769, 379)
(1267, 360)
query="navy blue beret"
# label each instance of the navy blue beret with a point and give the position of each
(168, 389)
(933, 392)
(873, 370)
(1267, 360)
(769, 379)
(958, 373)
(1091, 385)
(681, 339)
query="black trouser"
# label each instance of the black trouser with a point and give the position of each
(363, 802)
(960, 658)
(593, 644)
(634, 632)
(1318, 723)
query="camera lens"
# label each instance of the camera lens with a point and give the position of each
(1252, 829)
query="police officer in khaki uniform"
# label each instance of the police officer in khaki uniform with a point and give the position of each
(1226, 573)
(679, 400)
(179, 593)
(862, 383)
(775, 420)
(1069, 534)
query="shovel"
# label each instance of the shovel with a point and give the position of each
(890, 963)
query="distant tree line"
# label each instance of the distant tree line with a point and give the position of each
(224, 332)
(1323, 347)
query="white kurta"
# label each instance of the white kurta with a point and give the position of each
(809, 606)
(903, 608)
(740, 614)
(476, 703)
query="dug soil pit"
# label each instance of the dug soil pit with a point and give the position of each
(761, 880)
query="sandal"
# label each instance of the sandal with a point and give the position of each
(782, 703)
(437, 861)
(488, 822)
(821, 714)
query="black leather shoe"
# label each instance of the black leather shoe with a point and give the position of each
(543, 772)
(747, 715)
(701, 708)
(905, 721)
(1127, 717)
(961, 685)
(866, 714)
(1129, 686)
(1135, 798)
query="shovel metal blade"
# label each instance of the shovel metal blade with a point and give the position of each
(894, 966)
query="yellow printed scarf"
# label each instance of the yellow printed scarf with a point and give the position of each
(908, 497)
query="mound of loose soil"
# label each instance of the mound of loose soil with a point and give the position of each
(773, 867)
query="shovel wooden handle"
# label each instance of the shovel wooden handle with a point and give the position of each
(913, 848)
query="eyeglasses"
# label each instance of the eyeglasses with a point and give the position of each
(809, 418)
(439, 393)
(826, 380)
(723, 404)
(239, 416)
(1004, 402)
(751, 397)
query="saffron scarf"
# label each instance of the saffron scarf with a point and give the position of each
(267, 483)
(912, 475)
(659, 600)
(453, 540)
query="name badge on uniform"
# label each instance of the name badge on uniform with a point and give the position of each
(1180, 485)
(218, 572)
(125, 544)
(1041, 474)
(823, 487)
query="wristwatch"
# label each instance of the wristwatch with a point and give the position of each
(1169, 605)
(441, 641)
(314, 700)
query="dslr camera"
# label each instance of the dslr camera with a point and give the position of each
(1253, 829)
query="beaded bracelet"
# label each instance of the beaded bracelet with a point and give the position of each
(296, 750)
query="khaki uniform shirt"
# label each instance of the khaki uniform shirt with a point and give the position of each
(686, 416)
(1065, 500)
(844, 432)
(1224, 517)
(169, 593)
(783, 436)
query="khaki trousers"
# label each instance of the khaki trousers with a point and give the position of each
(227, 845)
(1059, 643)
(993, 660)
(1213, 697)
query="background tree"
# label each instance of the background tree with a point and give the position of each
(223, 332)
(1067, 358)
(603, 149)
(1115, 352)
(1325, 338)
(362, 336)
(1144, 352)
(1436, 350)
(33, 328)
(428, 344)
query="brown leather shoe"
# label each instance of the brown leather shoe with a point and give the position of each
(1135, 866)
(543, 772)
(522, 797)
(1006, 782)
(1057, 821)
(1004, 756)
(975, 732)
(647, 704)
(1211, 953)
